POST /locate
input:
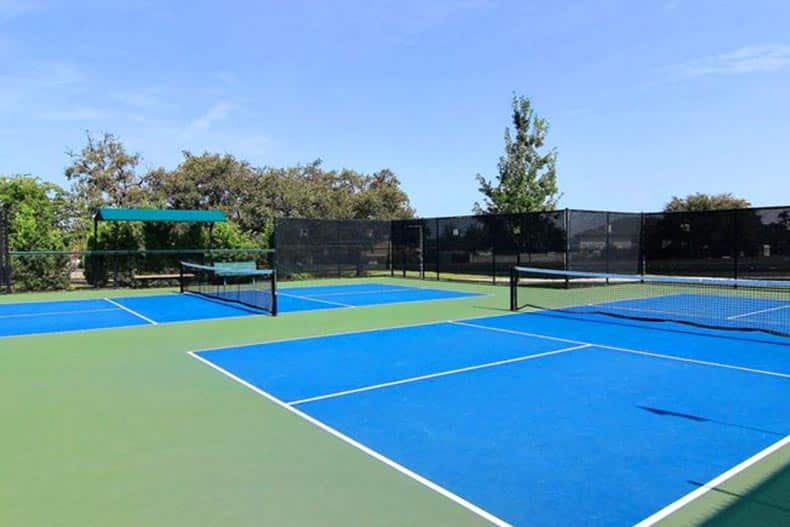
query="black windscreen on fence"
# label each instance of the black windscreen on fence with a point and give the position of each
(691, 243)
(465, 246)
(478, 246)
(588, 241)
(607, 242)
(744, 243)
(324, 248)
(763, 242)
(5, 259)
(545, 239)
(625, 242)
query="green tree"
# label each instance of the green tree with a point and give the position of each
(253, 197)
(527, 179)
(37, 221)
(380, 197)
(214, 181)
(701, 201)
(103, 173)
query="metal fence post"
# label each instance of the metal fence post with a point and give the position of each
(438, 253)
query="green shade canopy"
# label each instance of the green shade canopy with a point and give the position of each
(163, 215)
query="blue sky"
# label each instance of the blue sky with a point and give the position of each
(645, 99)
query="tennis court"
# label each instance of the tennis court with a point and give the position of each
(555, 417)
(560, 416)
(31, 318)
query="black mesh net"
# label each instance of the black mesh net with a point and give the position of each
(708, 302)
(324, 248)
(237, 282)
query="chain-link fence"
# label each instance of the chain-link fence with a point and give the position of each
(332, 248)
(753, 243)
(51, 270)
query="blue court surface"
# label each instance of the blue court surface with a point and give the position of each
(31, 318)
(721, 311)
(539, 419)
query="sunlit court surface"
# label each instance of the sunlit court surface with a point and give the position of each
(522, 415)
(421, 402)
(30, 318)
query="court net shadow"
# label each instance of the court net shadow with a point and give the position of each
(701, 419)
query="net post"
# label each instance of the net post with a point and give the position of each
(181, 276)
(274, 292)
(566, 262)
(514, 289)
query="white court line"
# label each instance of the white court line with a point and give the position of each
(400, 289)
(632, 351)
(438, 374)
(58, 313)
(712, 484)
(759, 312)
(310, 298)
(370, 452)
(699, 315)
(131, 311)
(340, 333)
(265, 315)
(466, 296)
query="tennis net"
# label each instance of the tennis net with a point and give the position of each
(238, 282)
(717, 303)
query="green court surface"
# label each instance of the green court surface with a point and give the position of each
(122, 427)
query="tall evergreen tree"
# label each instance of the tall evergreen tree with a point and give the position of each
(527, 179)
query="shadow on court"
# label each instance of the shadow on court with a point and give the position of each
(700, 419)
(764, 504)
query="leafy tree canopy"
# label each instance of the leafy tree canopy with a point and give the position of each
(527, 179)
(103, 174)
(38, 219)
(700, 201)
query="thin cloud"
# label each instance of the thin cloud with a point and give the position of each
(217, 113)
(745, 60)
